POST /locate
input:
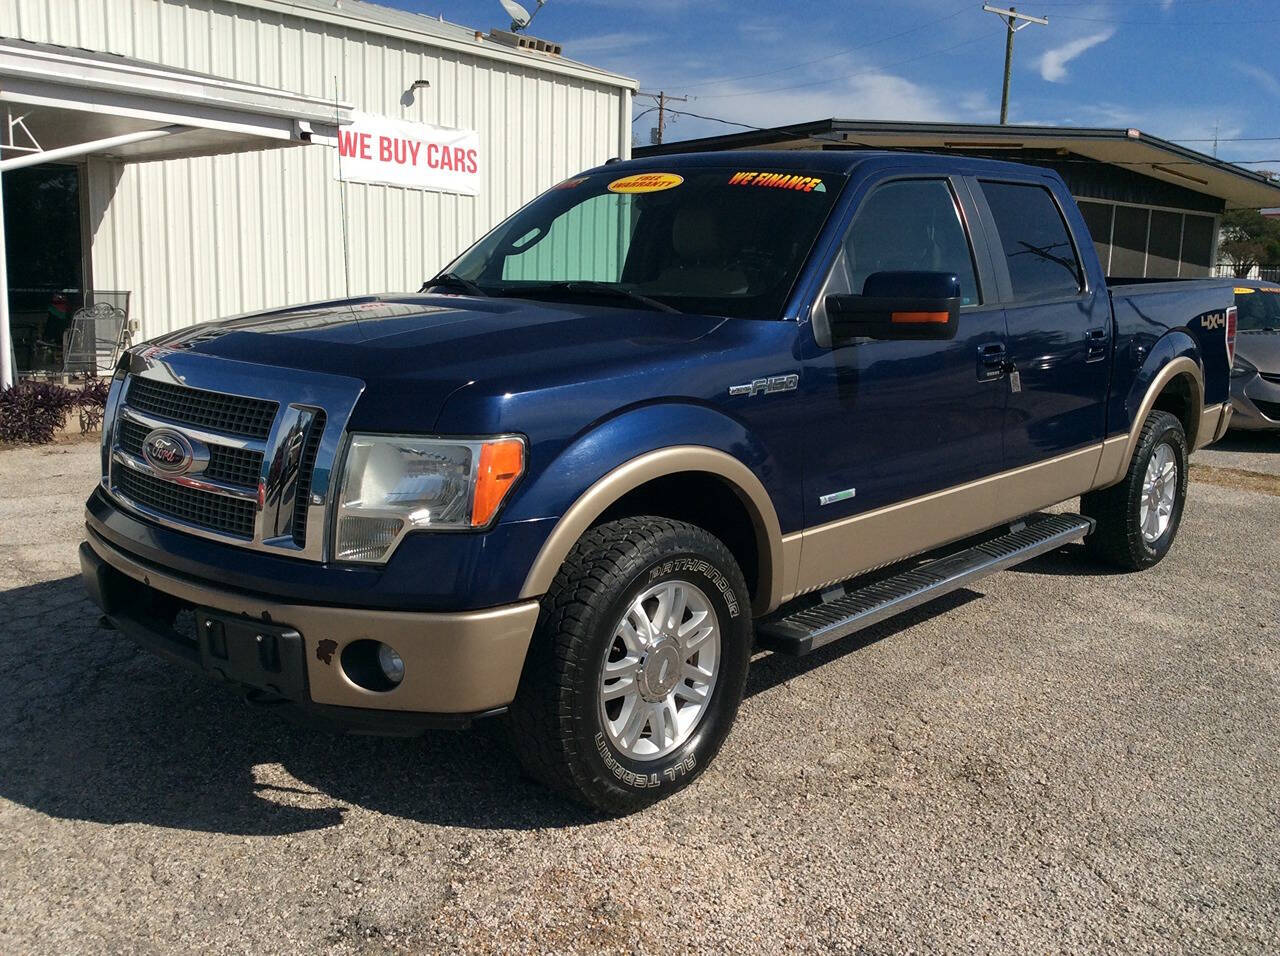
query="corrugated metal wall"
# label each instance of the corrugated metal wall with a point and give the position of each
(195, 239)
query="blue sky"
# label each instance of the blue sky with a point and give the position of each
(1174, 68)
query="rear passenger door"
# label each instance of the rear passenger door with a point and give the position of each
(1058, 326)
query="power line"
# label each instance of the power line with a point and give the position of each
(1169, 23)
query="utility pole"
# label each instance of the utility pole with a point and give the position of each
(661, 98)
(1015, 22)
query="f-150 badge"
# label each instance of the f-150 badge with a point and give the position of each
(767, 386)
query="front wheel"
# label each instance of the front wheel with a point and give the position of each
(637, 665)
(1138, 518)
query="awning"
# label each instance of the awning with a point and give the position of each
(59, 103)
(1130, 149)
(54, 97)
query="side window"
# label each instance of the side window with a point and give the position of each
(911, 225)
(1037, 246)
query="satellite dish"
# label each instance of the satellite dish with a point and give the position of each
(519, 15)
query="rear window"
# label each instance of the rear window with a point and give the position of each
(1037, 246)
(1257, 310)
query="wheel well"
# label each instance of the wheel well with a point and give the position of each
(701, 499)
(1181, 398)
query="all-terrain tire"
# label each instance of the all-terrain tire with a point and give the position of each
(1118, 539)
(560, 718)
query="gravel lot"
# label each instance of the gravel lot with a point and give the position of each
(1059, 759)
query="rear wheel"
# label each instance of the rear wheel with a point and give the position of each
(637, 664)
(1139, 517)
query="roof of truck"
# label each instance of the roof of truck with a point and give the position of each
(810, 160)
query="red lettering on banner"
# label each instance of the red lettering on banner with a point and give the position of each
(365, 152)
(384, 149)
(346, 143)
(472, 165)
(459, 159)
(414, 147)
(446, 158)
(433, 155)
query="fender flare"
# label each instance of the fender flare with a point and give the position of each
(677, 459)
(1118, 452)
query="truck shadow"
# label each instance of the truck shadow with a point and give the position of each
(1254, 443)
(92, 728)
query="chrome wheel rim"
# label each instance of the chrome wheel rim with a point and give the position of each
(1159, 490)
(659, 670)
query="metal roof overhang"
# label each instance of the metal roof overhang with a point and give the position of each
(60, 103)
(63, 98)
(1127, 148)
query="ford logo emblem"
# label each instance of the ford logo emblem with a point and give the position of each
(168, 451)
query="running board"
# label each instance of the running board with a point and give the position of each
(814, 625)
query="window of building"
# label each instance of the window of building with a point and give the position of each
(1037, 246)
(1097, 216)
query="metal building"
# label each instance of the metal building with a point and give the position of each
(1152, 206)
(183, 151)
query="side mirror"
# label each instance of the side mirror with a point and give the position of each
(897, 305)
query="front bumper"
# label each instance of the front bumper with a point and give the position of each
(458, 665)
(1256, 403)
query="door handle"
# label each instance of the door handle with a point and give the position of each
(993, 362)
(1096, 342)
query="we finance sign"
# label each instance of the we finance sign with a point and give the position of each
(375, 149)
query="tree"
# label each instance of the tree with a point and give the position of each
(1248, 239)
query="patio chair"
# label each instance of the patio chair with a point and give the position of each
(95, 338)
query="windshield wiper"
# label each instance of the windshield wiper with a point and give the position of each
(581, 286)
(452, 280)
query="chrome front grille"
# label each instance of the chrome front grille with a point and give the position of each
(229, 516)
(259, 463)
(233, 414)
(235, 466)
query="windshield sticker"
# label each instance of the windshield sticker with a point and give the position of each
(804, 184)
(645, 183)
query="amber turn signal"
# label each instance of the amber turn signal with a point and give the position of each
(501, 464)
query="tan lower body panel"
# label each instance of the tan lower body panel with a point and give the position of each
(455, 663)
(1213, 424)
(839, 550)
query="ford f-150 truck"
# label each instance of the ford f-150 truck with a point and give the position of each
(669, 411)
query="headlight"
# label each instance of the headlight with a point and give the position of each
(393, 484)
(1242, 367)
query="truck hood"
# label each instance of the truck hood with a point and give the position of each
(421, 349)
(1262, 349)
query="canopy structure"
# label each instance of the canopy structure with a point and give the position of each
(1125, 149)
(59, 104)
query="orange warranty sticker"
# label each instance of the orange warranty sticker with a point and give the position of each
(804, 184)
(645, 183)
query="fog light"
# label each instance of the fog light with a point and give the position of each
(391, 664)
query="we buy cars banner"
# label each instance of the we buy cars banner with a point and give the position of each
(375, 149)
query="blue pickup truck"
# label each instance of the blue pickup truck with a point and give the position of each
(667, 413)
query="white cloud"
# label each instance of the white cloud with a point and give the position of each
(1264, 79)
(1053, 63)
(600, 43)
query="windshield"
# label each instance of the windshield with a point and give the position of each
(722, 241)
(1257, 309)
